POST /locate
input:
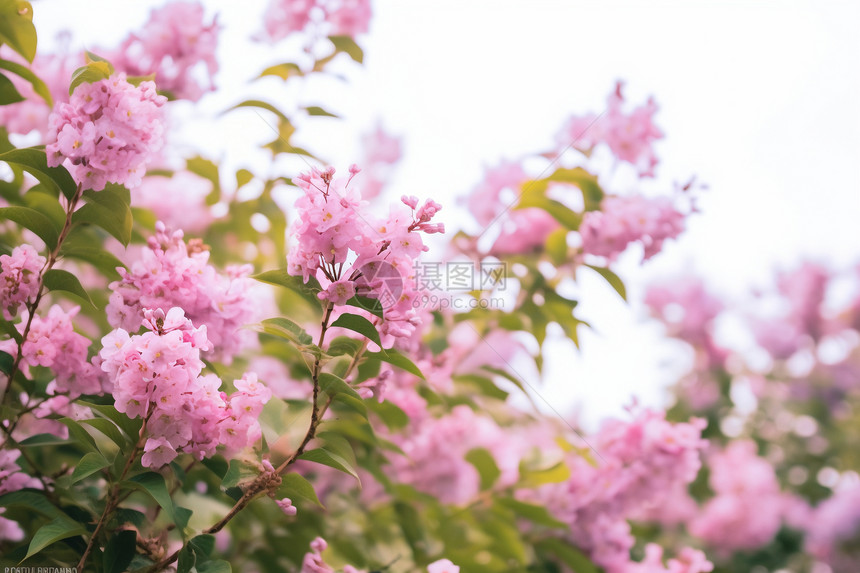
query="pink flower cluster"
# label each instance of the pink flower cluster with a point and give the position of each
(802, 292)
(350, 252)
(434, 462)
(640, 467)
(330, 17)
(380, 151)
(688, 561)
(521, 230)
(689, 312)
(834, 522)
(53, 343)
(32, 114)
(19, 278)
(624, 220)
(630, 137)
(108, 132)
(748, 507)
(314, 562)
(12, 479)
(178, 201)
(157, 376)
(172, 273)
(176, 45)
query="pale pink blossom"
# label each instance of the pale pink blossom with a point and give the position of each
(19, 278)
(108, 132)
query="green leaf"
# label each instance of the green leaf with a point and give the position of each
(108, 428)
(153, 483)
(110, 210)
(485, 463)
(569, 554)
(294, 486)
(261, 105)
(532, 197)
(237, 472)
(390, 414)
(556, 246)
(215, 566)
(243, 177)
(207, 170)
(34, 161)
(318, 111)
(203, 544)
(330, 459)
(6, 363)
(88, 465)
(348, 46)
(282, 278)
(284, 71)
(286, 329)
(613, 279)
(33, 220)
(58, 279)
(101, 259)
(43, 199)
(535, 513)
(371, 305)
(16, 27)
(333, 385)
(39, 86)
(8, 92)
(94, 71)
(187, 560)
(30, 499)
(119, 551)
(59, 528)
(530, 478)
(394, 358)
(592, 193)
(360, 325)
(130, 428)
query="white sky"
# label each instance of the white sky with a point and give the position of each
(760, 100)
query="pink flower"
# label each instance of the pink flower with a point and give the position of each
(442, 566)
(177, 46)
(623, 220)
(287, 506)
(338, 292)
(338, 242)
(178, 201)
(108, 132)
(748, 508)
(19, 278)
(53, 343)
(158, 375)
(171, 273)
(325, 17)
(629, 136)
(157, 452)
(33, 113)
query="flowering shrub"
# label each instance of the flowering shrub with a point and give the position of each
(189, 382)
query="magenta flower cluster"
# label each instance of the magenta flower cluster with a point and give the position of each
(157, 376)
(107, 132)
(337, 241)
(171, 273)
(19, 278)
